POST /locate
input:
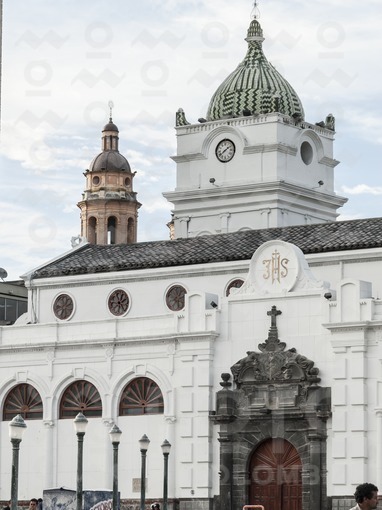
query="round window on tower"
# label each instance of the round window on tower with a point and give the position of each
(96, 180)
(306, 151)
(127, 182)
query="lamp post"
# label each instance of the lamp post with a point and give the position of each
(143, 445)
(16, 430)
(115, 437)
(79, 423)
(166, 447)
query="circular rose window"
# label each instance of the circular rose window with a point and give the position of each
(175, 298)
(63, 307)
(118, 302)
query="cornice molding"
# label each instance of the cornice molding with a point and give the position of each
(113, 343)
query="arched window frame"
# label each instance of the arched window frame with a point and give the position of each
(25, 400)
(141, 396)
(80, 397)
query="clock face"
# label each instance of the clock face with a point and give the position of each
(225, 150)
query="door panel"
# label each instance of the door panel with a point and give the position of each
(275, 470)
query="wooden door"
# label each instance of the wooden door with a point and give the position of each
(275, 470)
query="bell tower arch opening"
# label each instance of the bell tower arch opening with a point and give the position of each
(92, 230)
(131, 230)
(111, 230)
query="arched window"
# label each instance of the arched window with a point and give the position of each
(25, 400)
(81, 397)
(141, 396)
(111, 230)
(92, 230)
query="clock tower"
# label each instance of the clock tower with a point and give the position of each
(253, 162)
(109, 206)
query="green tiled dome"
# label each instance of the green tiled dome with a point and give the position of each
(255, 86)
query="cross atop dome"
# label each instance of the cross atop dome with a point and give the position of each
(255, 13)
(111, 106)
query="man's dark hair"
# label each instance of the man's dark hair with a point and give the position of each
(364, 491)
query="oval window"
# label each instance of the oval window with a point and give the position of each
(306, 153)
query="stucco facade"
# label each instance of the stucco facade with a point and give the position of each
(277, 296)
(185, 353)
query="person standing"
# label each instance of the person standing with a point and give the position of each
(366, 496)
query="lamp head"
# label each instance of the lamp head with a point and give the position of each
(166, 447)
(115, 434)
(17, 427)
(144, 443)
(80, 422)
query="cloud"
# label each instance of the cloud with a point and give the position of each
(362, 189)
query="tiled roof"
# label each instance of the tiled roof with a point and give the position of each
(318, 238)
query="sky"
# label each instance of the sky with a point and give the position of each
(63, 61)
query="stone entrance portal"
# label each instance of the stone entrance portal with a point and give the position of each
(272, 428)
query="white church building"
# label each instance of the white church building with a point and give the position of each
(251, 340)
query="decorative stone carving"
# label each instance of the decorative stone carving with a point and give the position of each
(278, 267)
(274, 363)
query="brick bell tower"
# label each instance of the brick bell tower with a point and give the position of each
(109, 207)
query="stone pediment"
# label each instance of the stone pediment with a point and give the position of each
(274, 364)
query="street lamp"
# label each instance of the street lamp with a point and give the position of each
(115, 437)
(79, 423)
(166, 447)
(143, 445)
(16, 430)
